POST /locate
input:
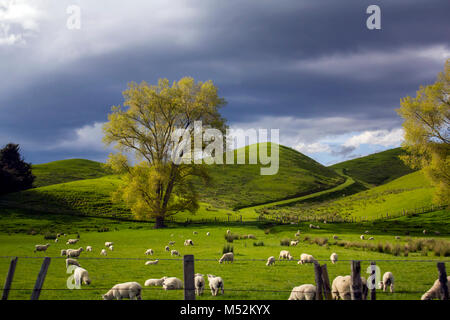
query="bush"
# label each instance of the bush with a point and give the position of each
(227, 248)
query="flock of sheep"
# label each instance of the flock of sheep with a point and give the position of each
(341, 285)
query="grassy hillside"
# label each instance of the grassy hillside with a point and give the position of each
(377, 168)
(66, 171)
(232, 186)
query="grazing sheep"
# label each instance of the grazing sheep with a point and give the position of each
(111, 247)
(361, 237)
(294, 243)
(174, 253)
(229, 256)
(435, 291)
(149, 252)
(73, 262)
(73, 253)
(208, 233)
(103, 252)
(127, 290)
(154, 282)
(303, 292)
(88, 249)
(172, 283)
(335, 237)
(334, 258)
(151, 262)
(388, 281)
(306, 258)
(215, 284)
(297, 234)
(72, 241)
(397, 238)
(81, 275)
(228, 232)
(63, 252)
(284, 254)
(56, 240)
(371, 238)
(199, 282)
(195, 232)
(188, 242)
(167, 248)
(270, 261)
(108, 244)
(366, 232)
(341, 288)
(424, 231)
(41, 247)
(171, 243)
(251, 236)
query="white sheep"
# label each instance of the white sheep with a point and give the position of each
(228, 232)
(270, 261)
(127, 290)
(334, 257)
(103, 252)
(88, 249)
(388, 281)
(297, 234)
(172, 283)
(72, 241)
(149, 252)
(154, 282)
(251, 236)
(167, 248)
(229, 256)
(150, 262)
(341, 288)
(424, 231)
(215, 284)
(361, 237)
(195, 232)
(294, 243)
(199, 282)
(41, 247)
(284, 254)
(111, 247)
(63, 252)
(56, 240)
(303, 292)
(208, 233)
(73, 253)
(108, 244)
(171, 243)
(435, 291)
(335, 237)
(174, 253)
(366, 232)
(397, 238)
(306, 258)
(81, 276)
(371, 238)
(188, 242)
(70, 261)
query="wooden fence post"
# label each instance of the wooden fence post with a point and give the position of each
(40, 279)
(373, 294)
(356, 285)
(326, 283)
(443, 280)
(319, 284)
(189, 286)
(9, 278)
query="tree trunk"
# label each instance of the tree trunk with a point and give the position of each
(159, 223)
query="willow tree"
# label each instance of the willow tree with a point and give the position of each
(427, 133)
(142, 130)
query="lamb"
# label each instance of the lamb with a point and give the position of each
(88, 249)
(154, 282)
(303, 292)
(73, 262)
(72, 241)
(81, 275)
(435, 291)
(167, 248)
(208, 233)
(73, 253)
(215, 284)
(111, 247)
(229, 256)
(270, 261)
(108, 244)
(174, 253)
(199, 282)
(103, 252)
(306, 258)
(188, 242)
(150, 262)
(172, 283)
(361, 237)
(388, 280)
(294, 243)
(41, 247)
(341, 288)
(284, 254)
(127, 290)
(334, 258)
(149, 252)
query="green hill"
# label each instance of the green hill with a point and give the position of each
(375, 169)
(66, 171)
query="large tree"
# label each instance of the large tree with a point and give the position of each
(15, 173)
(427, 132)
(142, 130)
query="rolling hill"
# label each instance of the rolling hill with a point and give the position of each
(375, 169)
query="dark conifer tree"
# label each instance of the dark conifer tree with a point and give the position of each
(15, 173)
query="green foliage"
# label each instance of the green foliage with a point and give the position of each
(15, 173)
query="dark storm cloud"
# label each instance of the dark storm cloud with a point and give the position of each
(302, 59)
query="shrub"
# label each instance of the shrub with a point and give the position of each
(227, 248)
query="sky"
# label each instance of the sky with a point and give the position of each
(311, 69)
